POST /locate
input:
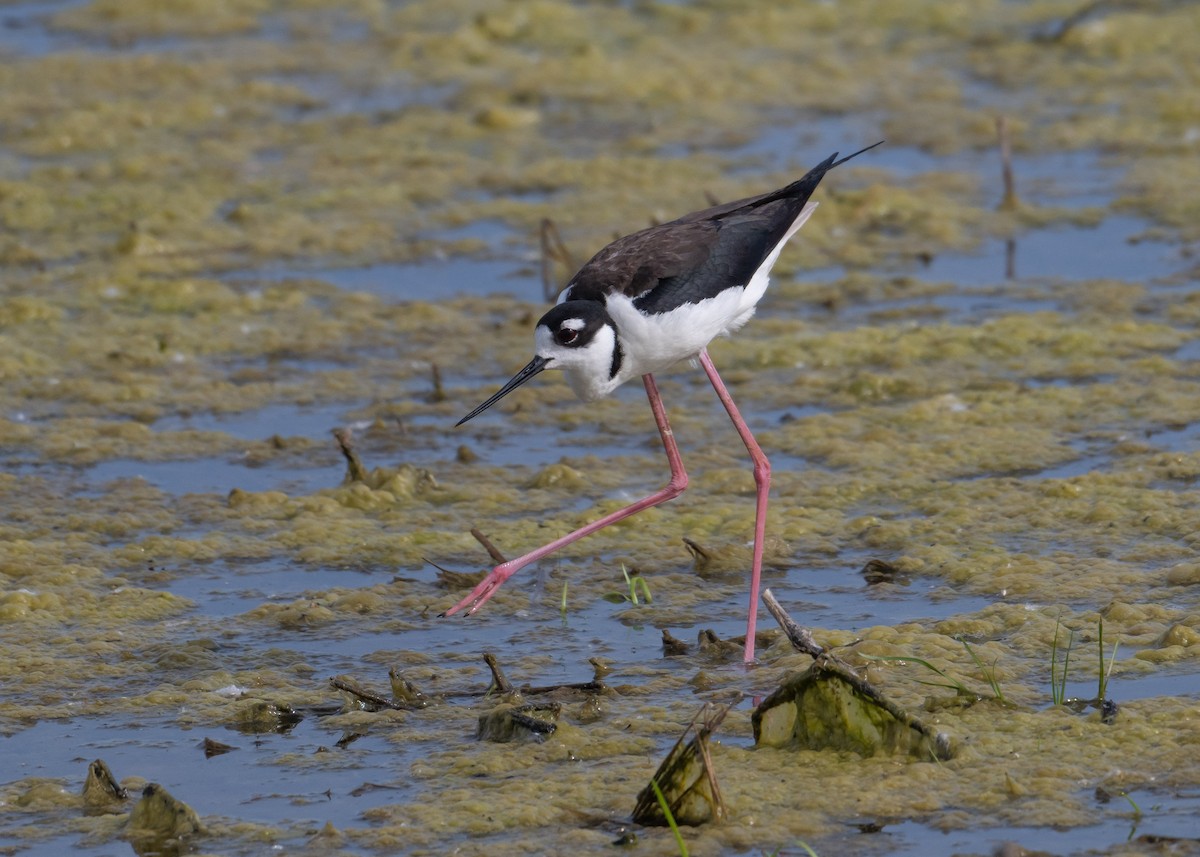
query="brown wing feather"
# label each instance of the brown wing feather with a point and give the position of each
(636, 263)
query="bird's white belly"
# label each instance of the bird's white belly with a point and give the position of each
(652, 343)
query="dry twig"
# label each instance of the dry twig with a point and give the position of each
(492, 550)
(553, 249)
(355, 472)
(800, 638)
(500, 682)
(370, 697)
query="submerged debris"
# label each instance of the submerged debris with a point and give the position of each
(450, 579)
(371, 701)
(708, 561)
(500, 682)
(507, 722)
(829, 706)
(501, 685)
(101, 789)
(215, 748)
(686, 778)
(159, 821)
(877, 571)
(672, 645)
(260, 716)
(405, 691)
(712, 646)
(355, 472)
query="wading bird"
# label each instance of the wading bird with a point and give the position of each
(644, 303)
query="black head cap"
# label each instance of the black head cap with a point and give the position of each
(574, 324)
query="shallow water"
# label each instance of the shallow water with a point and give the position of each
(327, 206)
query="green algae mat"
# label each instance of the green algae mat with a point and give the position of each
(231, 227)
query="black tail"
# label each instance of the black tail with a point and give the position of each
(856, 154)
(802, 189)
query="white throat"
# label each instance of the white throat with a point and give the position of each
(588, 369)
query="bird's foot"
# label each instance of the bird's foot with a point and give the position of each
(485, 590)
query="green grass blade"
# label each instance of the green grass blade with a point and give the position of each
(950, 683)
(1105, 669)
(1137, 810)
(1058, 677)
(988, 673)
(629, 587)
(662, 802)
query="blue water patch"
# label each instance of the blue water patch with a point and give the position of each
(1002, 277)
(1068, 178)
(1110, 250)
(25, 30)
(428, 280)
(285, 420)
(215, 476)
(162, 751)
(223, 589)
(1121, 688)
(1163, 815)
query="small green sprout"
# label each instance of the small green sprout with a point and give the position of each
(1058, 680)
(950, 683)
(1105, 669)
(633, 583)
(989, 673)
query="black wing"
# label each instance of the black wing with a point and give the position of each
(738, 248)
(700, 254)
(746, 232)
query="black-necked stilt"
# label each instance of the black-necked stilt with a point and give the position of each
(648, 301)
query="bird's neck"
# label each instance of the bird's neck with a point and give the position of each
(588, 387)
(602, 369)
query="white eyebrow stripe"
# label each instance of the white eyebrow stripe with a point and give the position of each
(576, 324)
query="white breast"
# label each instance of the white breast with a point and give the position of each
(656, 342)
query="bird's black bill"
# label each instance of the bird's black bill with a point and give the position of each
(536, 365)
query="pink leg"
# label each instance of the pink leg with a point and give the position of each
(762, 479)
(679, 481)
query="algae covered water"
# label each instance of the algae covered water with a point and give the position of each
(232, 228)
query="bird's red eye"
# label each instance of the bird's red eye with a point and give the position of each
(566, 336)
